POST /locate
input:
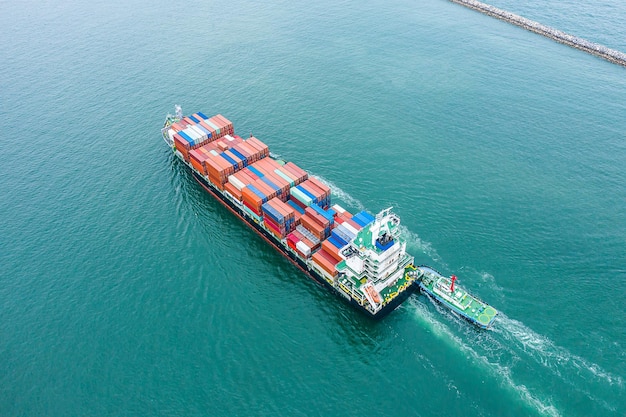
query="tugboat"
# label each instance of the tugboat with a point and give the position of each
(453, 297)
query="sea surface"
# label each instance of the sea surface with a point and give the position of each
(126, 290)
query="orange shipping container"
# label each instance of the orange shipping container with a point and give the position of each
(320, 185)
(324, 264)
(312, 226)
(233, 191)
(332, 250)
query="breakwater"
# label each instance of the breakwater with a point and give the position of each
(598, 50)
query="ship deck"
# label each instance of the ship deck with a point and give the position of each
(459, 300)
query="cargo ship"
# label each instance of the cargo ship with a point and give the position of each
(360, 257)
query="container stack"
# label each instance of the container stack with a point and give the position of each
(196, 130)
(252, 199)
(311, 192)
(342, 234)
(315, 223)
(332, 247)
(224, 157)
(266, 175)
(363, 218)
(325, 261)
(301, 244)
(278, 217)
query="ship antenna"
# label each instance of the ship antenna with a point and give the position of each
(179, 111)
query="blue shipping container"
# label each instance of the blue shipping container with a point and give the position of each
(243, 158)
(296, 207)
(368, 217)
(270, 183)
(323, 213)
(256, 171)
(308, 194)
(229, 159)
(273, 213)
(257, 192)
(335, 242)
(338, 238)
(202, 115)
(187, 138)
(359, 220)
(194, 119)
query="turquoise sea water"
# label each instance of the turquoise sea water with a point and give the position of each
(126, 290)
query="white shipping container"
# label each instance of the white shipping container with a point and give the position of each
(304, 248)
(338, 208)
(192, 134)
(207, 121)
(200, 132)
(350, 228)
(234, 181)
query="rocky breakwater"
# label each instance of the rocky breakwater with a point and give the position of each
(598, 50)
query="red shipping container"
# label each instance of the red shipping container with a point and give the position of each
(268, 220)
(245, 177)
(228, 125)
(262, 147)
(319, 219)
(298, 202)
(254, 153)
(303, 239)
(331, 260)
(292, 238)
(312, 189)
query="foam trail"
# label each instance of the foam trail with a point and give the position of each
(341, 194)
(413, 240)
(503, 372)
(546, 352)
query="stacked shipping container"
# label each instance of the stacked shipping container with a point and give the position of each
(278, 217)
(288, 202)
(196, 130)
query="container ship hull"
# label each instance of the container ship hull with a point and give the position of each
(237, 211)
